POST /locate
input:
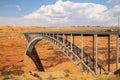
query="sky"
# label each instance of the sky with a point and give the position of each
(60, 12)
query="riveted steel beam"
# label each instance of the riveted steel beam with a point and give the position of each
(117, 51)
(96, 56)
(93, 54)
(82, 49)
(71, 42)
(109, 53)
(63, 39)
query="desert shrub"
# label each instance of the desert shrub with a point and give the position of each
(37, 76)
(66, 73)
(7, 77)
(99, 77)
(50, 77)
(40, 78)
(23, 75)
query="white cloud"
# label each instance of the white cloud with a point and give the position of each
(69, 13)
(114, 1)
(21, 21)
(115, 11)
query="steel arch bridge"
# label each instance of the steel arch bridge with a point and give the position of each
(81, 60)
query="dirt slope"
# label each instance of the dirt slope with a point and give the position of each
(14, 61)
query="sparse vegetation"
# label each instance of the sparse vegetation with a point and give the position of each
(40, 78)
(50, 77)
(100, 77)
(37, 76)
(23, 75)
(8, 77)
(66, 73)
(12, 42)
(66, 76)
(5, 78)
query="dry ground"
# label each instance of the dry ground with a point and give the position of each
(14, 61)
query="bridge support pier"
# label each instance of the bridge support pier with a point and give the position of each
(71, 42)
(63, 39)
(108, 53)
(96, 56)
(117, 51)
(82, 50)
(93, 54)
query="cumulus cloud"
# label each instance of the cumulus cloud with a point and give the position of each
(114, 1)
(68, 12)
(75, 13)
(115, 11)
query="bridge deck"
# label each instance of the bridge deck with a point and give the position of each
(78, 32)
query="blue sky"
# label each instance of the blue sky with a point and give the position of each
(19, 9)
(8, 7)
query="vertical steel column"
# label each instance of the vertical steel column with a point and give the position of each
(57, 37)
(49, 34)
(42, 34)
(73, 39)
(109, 53)
(82, 49)
(96, 56)
(39, 34)
(93, 51)
(117, 51)
(81, 46)
(45, 34)
(27, 37)
(71, 42)
(53, 35)
(63, 39)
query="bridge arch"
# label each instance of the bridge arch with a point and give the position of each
(32, 43)
(32, 53)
